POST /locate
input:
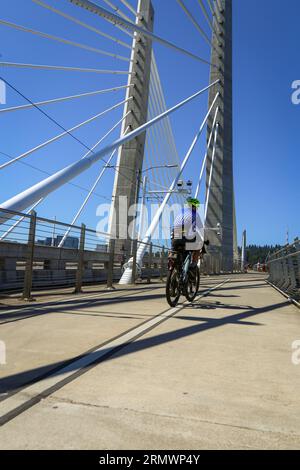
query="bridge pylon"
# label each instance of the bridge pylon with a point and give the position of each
(221, 202)
(130, 157)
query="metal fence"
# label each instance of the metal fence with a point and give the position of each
(37, 253)
(284, 269)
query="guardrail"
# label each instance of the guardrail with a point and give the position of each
(37, 253)
(284, 269)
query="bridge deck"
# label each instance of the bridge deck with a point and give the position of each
(216, 374)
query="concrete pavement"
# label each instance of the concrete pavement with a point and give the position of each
(215, 374)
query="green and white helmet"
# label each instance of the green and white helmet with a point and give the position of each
(193, 202)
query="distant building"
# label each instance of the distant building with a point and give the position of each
(70, 242)
(103, 248)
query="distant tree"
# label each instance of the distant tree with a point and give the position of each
(259, 254)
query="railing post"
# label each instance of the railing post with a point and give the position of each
(80, 266)
(150, 262)
(162, 256)
(134, 248)
(29, 261)
(111, 262)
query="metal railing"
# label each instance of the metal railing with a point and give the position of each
(32, 256)
(284, 269)
(35, 254)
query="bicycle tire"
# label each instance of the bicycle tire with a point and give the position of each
(172, 300)
(188, 296)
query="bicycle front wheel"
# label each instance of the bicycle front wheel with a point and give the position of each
(173, 288)
(192, 285)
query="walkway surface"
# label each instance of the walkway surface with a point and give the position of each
(121, 370)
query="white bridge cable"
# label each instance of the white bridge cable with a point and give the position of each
(86, 200)
(155, 221)
(43, 188)
(153, 148)
(195, 22)
(63, 68)
(206, 154)
(135, 28)
(90, 150)
(211, 172)
(107, 134)
(211, 6)
(81, 23)
(56, 123)
(117, 10)
(177, 197)
(130, 8)
(206, 15)
(36, 168)
(168, 143)
(161, 97)
(123, 15)
(63, 40)
(66, 98)
(155, 108)
(162, 154)
(167, 134)
(211, 23)
(90, 192)
(161, 126)
(59, 136)
(154, 140)
(17, 223)
(157, 169)
(152, 155)
(153, 162)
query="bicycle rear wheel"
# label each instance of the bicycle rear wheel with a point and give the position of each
(173, 288)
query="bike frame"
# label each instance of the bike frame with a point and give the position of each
(183, 267)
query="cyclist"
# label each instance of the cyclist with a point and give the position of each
(187, 233)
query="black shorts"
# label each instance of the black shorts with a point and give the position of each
(179, 244)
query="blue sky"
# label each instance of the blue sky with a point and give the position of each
(266, 162)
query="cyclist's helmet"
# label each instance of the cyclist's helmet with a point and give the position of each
(192, 202)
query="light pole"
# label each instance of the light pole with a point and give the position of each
(144, 191)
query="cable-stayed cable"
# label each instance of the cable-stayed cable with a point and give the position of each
(64, 41)
(81, 23)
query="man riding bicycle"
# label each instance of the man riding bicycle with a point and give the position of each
(187, 245)
(187, 233)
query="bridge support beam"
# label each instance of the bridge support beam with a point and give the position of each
(244, 251)
(131, 155)
(221, 202)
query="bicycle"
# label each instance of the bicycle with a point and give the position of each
(181, 280)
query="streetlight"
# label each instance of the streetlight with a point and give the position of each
(180, 189)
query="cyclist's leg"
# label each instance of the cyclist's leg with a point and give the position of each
(195, 257)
